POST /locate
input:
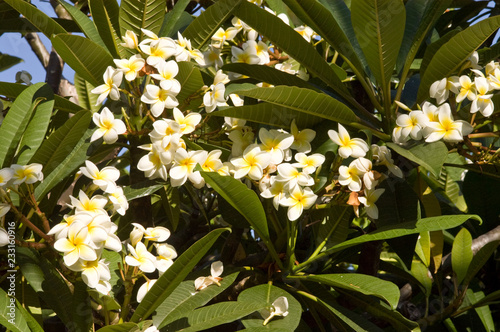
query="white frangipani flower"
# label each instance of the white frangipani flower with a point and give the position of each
(213, 162)
(301, 139)
(277, 191)
(130, 67)
(159, 99)
(26, 173)
(130, 40)
(248, 55)
(159, 50)
(252, 163)
(108, 127)
(212, 57)
(382, 156)
(94, 205)
(483, 102)
(5, 175)
(214, 97)
(105, 179)
(76, 246)
(466, 89)
(352, 175)
(112, 80)
(167, 70)
(145, 287)
(371, 196)
(221, 35)
(119, 200)
(152, 165)
(276, 143)
(141, 257)
(157, 234)
(292, 176)
(166, 255)
(309, 163)
(305, 32)
(412, 124)
(92, 271)
(188, 123)
(448, 129)
(184, 165)
(4, 208)
(278, 308)
(440, 90)
(216, 270)
(297, 201)
(348, 147)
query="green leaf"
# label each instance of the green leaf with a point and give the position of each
(168, 26)
(115, 261)
(365, 284)
(170, 200)
(32, 323)
(175, 275)
(321, 18)
(407, 228)
(287, 39)
(422, 274)
(421, 15)
(333, 226)
(380, 310)
(461, 254)
(141, 189)
(267, 74)
(379, 26)
(483, 312)
(141, 14)
(87, 58)
(84, 22)
(184, 299)
(244, 200)
(267, 294)
(12, 90)
(191, 81)
(269, 114)
(201, 30)
(299, 99)
(214, 315)
(36, 17)
(105, 15)
(10, 315)
(16, 121)
(61, 142)
(87, 99)
(429, 155)
(7, 61)
(479, 260)
(47, 282)
(448, 59)
(431, 49)
(34, 134)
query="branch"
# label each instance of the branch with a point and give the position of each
(38, 48)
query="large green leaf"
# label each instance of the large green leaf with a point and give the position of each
(379, 27)
(291, 42)
(36, 17)
(267, 74)
(124, 327)
(368, 285)
(184, 299)
(421, 15)
(421, 273)
(191, 81)
(201, 30)
(214, 315)
(323, 21)
(141, 189)
(390, 232)
(479, 260)
(7, 61)
(86, 98)
(30, 320)
(267, 294)
(12, 90)
(172, 18)
(141, 14)
(461, 254)
(175, 275)
(449, 57)
(74, 159)
(34, 134)
(87, 58)
(84, 22)
(243, 199)
(61, 142)
(429, 155)
(105, 14)
(10, 315)
(269, 114)
(299, 99)
(16, 121)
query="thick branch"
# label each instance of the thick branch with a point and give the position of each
(60, 11)
(38, 48)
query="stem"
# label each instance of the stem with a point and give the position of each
(28, 223)
(128, 283)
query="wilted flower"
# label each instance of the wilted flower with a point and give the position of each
(278, 308)
(203, 282)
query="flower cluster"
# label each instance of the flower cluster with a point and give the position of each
(141, 257)
(88, 230)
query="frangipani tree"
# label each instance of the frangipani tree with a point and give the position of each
(284, 165)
